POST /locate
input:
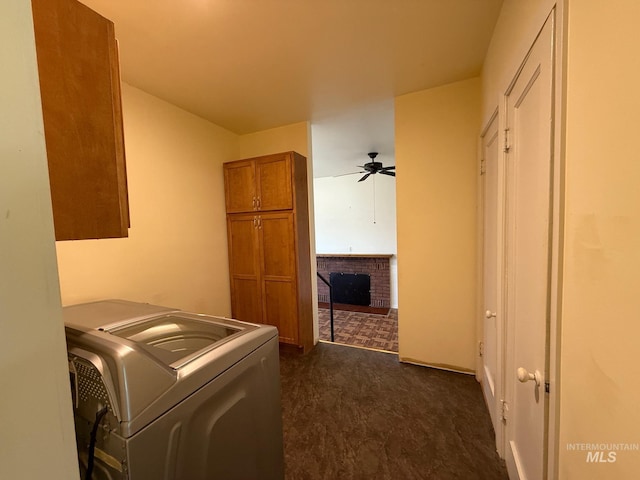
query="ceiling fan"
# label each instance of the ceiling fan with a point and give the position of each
(373, 167)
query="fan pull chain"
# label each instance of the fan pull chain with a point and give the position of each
(374, 199)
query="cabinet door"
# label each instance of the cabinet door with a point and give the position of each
(240, 186)
(244, 268)
(276, 232)
(81, 107)
(273, 178)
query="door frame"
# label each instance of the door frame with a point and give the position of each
(556, 242)
(526, 76)
(500, 209)
(557, 236)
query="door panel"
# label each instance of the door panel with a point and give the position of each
(239, 183)
(244, 268)
(246, 303)
(243, 245)
(528, 170)
(491, 381)
(277, 239)
(279, 273)
(280, 308)
(274, 182)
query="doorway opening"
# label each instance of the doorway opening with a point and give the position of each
(355, 292)
(357, 256)
(354, 190)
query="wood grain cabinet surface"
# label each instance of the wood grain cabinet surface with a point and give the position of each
(82, 111)
(259, 184)
(269, 251)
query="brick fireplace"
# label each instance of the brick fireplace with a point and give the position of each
(374, 265)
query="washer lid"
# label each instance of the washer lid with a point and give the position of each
(105, 314)
(177, 338)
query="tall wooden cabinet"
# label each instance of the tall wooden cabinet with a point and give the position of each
(269, 251)
(82, 112)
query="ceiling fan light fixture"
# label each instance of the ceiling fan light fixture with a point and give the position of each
(371, 168)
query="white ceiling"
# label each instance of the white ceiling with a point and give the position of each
(249, 65)
(341, 142)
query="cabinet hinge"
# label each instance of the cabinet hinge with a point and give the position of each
(547, 387)
(507, 145)
(483, 166)
(481, 348)
(505, 411)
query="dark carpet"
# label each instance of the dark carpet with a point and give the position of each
(350, 413)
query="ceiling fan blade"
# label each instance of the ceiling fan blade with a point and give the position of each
(344, 174)
(386, 172)
(392, 167)
(364, 178)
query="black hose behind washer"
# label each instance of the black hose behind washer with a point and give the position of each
(92, 442)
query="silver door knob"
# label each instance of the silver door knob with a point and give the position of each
(524, 376)
(489, 314)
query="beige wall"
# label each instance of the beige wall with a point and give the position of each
(176, 253)
(37, 438)
(600, 366)
(436, 158)
(296, 137)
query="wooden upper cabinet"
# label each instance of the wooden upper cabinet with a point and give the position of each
(273, 178)
(259, 184)
(82, 112)
(240, 186)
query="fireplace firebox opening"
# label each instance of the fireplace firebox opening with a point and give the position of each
(351, 288)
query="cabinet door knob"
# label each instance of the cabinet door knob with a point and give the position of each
(253, 203)
(489, 314)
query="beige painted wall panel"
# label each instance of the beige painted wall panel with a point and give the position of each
(436, 158)
(600, 371)
(37, 438)
(176, 253)
(281, 139)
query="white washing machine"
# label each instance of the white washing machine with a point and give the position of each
(163, 394)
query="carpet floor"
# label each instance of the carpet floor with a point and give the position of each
(350, 413)
(361, 329)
